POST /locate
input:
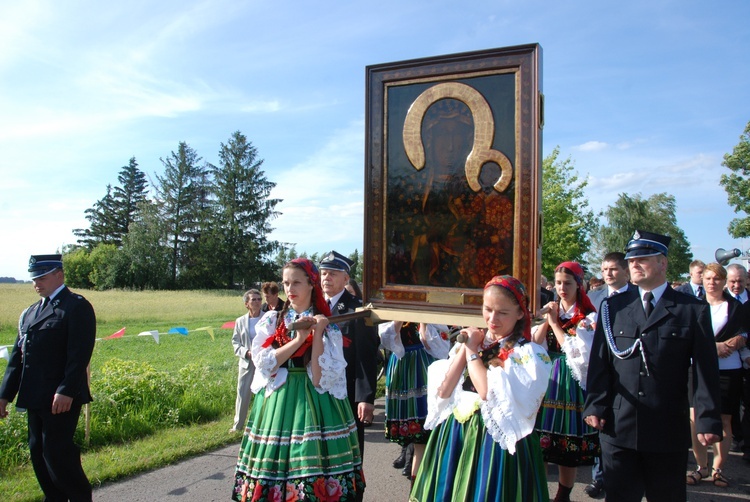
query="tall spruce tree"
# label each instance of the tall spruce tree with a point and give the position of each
(243, 212)
(103, 224)
(131, 192)
(180, 197)
(111, 216)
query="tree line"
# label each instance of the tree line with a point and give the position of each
(208, 226)
(571, 230)
(205, 226)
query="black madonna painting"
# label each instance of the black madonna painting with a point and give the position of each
(453, 180)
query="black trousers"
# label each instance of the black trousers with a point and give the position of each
(55, 457)
(631, 474)
(741, 421)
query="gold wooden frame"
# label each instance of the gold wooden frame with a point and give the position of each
(501, 89)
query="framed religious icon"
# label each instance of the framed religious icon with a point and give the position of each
(452, 178)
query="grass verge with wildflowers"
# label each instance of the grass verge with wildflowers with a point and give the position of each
(153, 403)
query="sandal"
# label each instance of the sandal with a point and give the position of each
(719, 479)
(693, 478)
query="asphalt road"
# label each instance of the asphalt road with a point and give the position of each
(208, 477)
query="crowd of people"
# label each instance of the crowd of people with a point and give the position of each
(622, 377)
(620, 374)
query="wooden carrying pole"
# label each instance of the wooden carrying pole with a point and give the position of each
(379, 315)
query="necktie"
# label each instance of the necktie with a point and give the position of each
(648, 307)
(699, 292)
(45, 302)
(613, 293)
(330, 306)
(738, 298)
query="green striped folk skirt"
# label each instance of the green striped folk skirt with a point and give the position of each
(564, 437)
(406, 396)
(463, 463)
(299, 445)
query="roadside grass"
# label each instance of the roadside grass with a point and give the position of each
(153, 403)
(115, 462)
(118, 308)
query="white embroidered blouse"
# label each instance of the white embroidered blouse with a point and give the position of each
(435, 340)
(332, 362)
(577, 348)
(515, 392)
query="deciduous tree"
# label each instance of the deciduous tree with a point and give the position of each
(567, 220)
(144, 260)
(654, 214)
(737, 184)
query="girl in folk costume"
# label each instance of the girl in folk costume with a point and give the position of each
(300, 442)
(568, 333)
(413, 348)
(482, 403)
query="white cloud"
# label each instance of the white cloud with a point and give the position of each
(323, 199)
(591, 146)
(269, 106)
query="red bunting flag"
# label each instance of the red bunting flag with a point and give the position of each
(228, 325)
(116, 334)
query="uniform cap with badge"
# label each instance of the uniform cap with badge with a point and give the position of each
(43, 264)
(336, 261)
(645, 244)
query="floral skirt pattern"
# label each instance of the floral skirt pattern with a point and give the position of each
(406, 396)
(462, 462)
(564, 437)
(299, 445)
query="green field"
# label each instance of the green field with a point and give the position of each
(153, 403)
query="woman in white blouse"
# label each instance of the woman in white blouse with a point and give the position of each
(728, 321)
(567, 333)
(482, 403)
(300, 442)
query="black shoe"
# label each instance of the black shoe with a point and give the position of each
(401, 459)
(736, 447)
(409, 458)
(594, 489)
(746, 456)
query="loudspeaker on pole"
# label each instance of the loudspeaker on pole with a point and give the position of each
(724, 255)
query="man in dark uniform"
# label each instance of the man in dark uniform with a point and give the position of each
(638, 379)
(360, 341)
(47, 373)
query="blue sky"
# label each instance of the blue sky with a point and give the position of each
(643, 96)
